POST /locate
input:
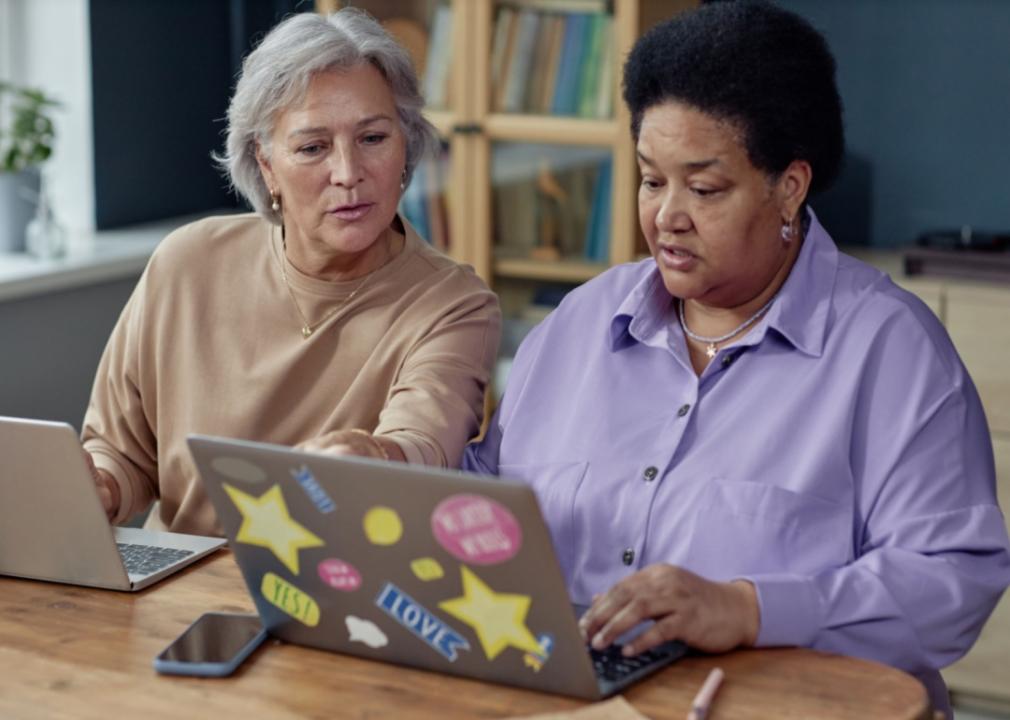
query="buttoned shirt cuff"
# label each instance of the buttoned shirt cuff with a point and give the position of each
(790, 610)
(108, 463)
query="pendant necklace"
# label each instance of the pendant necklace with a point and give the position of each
(711, 342)
(307, 327)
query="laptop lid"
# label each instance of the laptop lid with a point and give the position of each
(52, 524)
(434, 569)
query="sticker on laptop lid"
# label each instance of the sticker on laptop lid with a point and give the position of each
(238, 469)
(267, 523)
(289, 599)
(421, 621)
(339, 574)
(535, 661)
(499, 619)
(365, 632)
(383, 526)
(323, 502)
(476, 529)
(427, 569)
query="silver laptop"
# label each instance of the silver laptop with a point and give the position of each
(53, 526)
(434, 569)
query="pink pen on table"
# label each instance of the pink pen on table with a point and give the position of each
(703, 700)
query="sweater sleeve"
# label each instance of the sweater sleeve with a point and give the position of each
(116, 430)
(437, 401)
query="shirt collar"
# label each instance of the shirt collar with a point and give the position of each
(799, 313)
(645, 311)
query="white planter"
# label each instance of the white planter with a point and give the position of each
(18, 193)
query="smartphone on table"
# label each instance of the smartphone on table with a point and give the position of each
(213, 646)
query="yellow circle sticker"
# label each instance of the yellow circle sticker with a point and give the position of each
(383, 526)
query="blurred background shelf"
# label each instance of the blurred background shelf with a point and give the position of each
(570, 271)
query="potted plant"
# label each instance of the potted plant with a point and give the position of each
(26, 141)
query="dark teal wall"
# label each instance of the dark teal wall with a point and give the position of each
(926, 86)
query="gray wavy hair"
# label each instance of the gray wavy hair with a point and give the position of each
(277, 74)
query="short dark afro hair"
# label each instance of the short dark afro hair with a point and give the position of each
(763, 69)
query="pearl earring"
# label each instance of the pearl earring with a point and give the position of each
(275, 202)
(403, 179)
(787, 232)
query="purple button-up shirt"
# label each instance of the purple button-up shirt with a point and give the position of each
(837, 457)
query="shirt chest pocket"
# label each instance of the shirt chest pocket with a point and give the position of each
(746, 528)
(555, 485)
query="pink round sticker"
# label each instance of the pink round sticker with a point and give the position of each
(476, 529)
(339, 575)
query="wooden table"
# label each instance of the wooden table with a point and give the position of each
(69, 652)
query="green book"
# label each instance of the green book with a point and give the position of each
(592, 58)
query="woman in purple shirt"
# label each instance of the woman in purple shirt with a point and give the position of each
(750, 438)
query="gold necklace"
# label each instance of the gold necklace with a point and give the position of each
(307, 327)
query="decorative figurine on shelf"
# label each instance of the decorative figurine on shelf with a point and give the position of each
(552, 200)
(26, 141)
(44, 237)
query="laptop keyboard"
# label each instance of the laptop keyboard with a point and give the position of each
(614, 668)
(147, 559)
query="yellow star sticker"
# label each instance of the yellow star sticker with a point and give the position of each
(267, 523)
(499, 619)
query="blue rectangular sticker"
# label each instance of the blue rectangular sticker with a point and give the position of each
(420, 621)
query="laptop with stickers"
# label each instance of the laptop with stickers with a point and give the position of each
(439, 570)
(53, 527)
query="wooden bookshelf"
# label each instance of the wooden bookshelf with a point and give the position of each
(479, 133)
(569, 271)
(550, 129)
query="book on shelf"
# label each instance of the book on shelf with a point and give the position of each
(516, 217)
(590, 68)
(436, 71)
(518, 75)
(502, 27)
(413, 206)
(605, 86)
(597, 244)
(425, 204)
(504, 57)
(537, 74)
(566, 85)
(549, 75)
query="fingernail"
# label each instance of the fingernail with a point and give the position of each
(626, 651)
(598, 643)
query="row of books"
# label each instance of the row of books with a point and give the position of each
(552, 63)
(424, 203)
(556, 212)
(552, 207)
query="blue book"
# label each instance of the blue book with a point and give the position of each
(566, 89)
(413, 206)
(597, 246)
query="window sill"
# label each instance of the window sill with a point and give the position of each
(102, 256)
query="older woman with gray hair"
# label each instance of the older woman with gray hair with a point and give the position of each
(320, 320)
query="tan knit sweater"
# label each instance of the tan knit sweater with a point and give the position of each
(210, 342)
